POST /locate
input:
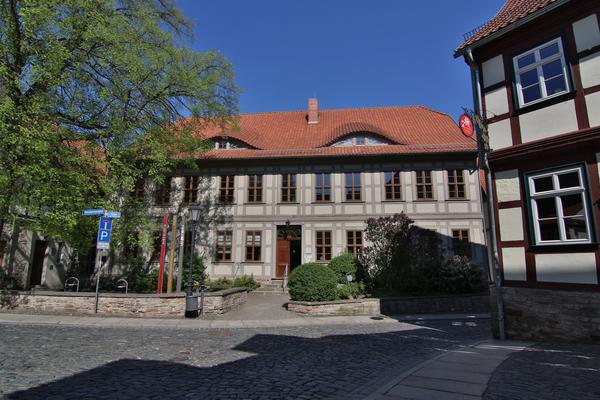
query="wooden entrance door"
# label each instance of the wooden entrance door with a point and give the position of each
(39, 254)
(283, 257)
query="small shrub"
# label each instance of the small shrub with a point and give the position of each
(313, 282)
(218, 284)
(352, 290)
(342, 265)
(106, 283)
(459, 275)
(199, 274)
(246, 281)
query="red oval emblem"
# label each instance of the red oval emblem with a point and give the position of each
(466, 125)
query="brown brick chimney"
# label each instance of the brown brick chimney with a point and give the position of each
(313, 111)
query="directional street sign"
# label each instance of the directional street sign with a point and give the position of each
(103, 240)
(113, 214)
(93, 211)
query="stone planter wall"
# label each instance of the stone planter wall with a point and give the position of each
(543, 314)
(117, 305)
(339, 307)
(462, 303)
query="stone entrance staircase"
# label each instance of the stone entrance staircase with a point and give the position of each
(273, 287)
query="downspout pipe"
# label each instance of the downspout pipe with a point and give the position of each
(483, 162)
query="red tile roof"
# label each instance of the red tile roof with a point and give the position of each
(511, 12)
(411, 130)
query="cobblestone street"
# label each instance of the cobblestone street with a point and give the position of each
(548, 371)
(310, 362)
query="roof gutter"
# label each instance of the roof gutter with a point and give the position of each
(511, 27)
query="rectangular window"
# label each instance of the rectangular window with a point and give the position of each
(3, 247)
(226, 188)
(560, 207)
(461, 243)
(288, 188)
(424, 185)
(255, 188)
(187, 244)
(354, 243)
(223, 251)
(393, 187)
(456, 184)
(156, 245)
(190, 189)
(352, 184)
(323, 187)
(131, 246)
(163, 193)
(541, 73)
(323, 245)
(138, 190)
(253, 245)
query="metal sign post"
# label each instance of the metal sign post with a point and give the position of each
(102, 241)
(163, 251)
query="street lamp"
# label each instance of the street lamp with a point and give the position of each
(191, 301)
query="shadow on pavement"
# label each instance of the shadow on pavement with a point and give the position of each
(276, 367)
(548, 371)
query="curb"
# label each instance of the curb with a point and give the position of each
(115, 322)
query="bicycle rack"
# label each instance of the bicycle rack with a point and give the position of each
(72, 282)
(122, 284)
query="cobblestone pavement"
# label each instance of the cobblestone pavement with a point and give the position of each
(310, 362)
(548, 371)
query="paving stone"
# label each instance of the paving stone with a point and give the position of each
(548, 371)
(466, 367)
(416, 393)
(474, 389)
(439, 372)
(313, 361)
(470, 358)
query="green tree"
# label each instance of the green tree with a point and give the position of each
(92, 99)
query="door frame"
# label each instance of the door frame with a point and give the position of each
(277, 226)
(34, 258)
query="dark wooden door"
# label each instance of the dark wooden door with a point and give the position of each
(283, 257)
(39, 254)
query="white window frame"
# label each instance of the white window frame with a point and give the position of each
(556, 194)
(538, 66)
(369, 140)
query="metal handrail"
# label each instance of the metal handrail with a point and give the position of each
(73, 282)
(285, 276)
(124, 284)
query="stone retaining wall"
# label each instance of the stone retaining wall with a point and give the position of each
(117, 305)
(463, 303)
(339, 307)
(543, 314)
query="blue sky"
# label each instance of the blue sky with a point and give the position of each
(349, 53)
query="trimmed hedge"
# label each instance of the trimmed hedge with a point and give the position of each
(342, 265)
(313, 282)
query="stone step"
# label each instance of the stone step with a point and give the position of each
(263, 289)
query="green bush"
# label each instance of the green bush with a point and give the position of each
(342, 265)
(218, 284)
(313, 282)
(459, 275)
(352, 290)
(199, 275)
(246, 281)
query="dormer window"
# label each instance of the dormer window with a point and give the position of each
(225, 143)
(541, 73)
(360, 139)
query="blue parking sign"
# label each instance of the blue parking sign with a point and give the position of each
(103, 239)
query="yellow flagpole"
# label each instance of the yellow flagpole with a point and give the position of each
(172, 256)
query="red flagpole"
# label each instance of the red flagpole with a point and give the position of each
(163, 251)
